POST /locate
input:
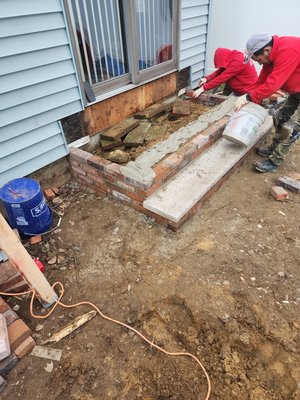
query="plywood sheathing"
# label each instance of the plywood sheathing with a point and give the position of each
(110, 112)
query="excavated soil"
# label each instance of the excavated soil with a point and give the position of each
(225, 288)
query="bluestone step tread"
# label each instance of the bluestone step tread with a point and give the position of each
(174, 200)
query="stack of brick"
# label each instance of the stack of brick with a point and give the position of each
(15, 341)
(10, 278)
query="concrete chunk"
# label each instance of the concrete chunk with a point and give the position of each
(4, 341)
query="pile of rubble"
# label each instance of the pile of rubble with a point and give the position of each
(140, 130)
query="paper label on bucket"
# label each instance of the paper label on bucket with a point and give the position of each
(39, 209)
(21, 221)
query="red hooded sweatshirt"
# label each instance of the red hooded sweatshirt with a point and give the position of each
(232, 70)
(283, 72)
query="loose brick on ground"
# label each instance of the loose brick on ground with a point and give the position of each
(279, 193)
(35, 239)
(55, 190)
(18, 331)
(7, 271)
(25, 347)
(49, 194)
(10, 316)
(3, 306)
(8, 364)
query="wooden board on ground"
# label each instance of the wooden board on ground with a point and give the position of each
(154, 110)
(120, 130)
(136, 137)
(181, 109)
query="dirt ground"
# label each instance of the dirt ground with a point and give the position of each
(225, 288)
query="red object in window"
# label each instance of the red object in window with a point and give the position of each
(39, 264)
(164, 53)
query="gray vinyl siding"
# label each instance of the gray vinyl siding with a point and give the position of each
(193, 37)
(38, 85)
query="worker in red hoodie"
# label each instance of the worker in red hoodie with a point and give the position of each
(231, 70)
(280, 58)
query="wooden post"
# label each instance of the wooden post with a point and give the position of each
(17, 253)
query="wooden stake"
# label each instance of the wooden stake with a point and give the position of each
(66, 330)
(17, 253)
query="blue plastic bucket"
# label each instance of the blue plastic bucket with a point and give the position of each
(26, 207)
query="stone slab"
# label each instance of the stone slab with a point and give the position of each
(174, 200)
(120, 130)
(152, 111)
(156, 132)
(109, 144)
(136, 137)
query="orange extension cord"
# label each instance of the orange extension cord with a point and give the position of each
(109, 319)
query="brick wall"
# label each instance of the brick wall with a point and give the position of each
(105, 177)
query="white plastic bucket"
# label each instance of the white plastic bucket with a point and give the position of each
(243, 125)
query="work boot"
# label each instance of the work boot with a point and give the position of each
(265, 166)
(264, 151)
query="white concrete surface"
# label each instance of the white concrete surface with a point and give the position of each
(178, 196)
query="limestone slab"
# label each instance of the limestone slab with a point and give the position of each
(174, 200)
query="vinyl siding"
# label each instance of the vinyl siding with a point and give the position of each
(193, 37)
(38, 85)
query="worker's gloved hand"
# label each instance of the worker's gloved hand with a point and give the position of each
(202, 81)
(198, 92)
(240, 102)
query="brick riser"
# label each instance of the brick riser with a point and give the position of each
(105, 177)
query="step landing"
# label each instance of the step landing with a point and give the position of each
(181, 197)
(195, 152)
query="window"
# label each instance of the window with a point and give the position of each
(123, 41)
